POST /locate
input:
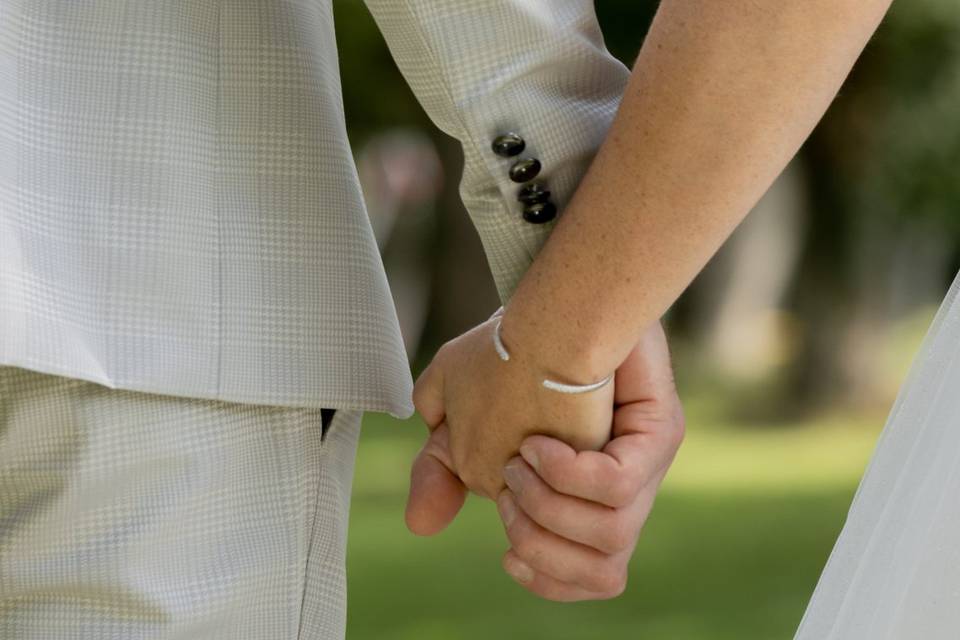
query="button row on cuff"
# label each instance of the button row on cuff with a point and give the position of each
(524, 170)
(534, 196)
(533, 193)
(509, 145)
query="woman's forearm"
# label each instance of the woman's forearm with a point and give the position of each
(721, 97)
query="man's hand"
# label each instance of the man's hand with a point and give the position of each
(573, 518)
(479, 409)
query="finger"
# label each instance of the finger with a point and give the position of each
(564, 560)
(646, 437)
(612, 477)
(648, 427)
(436, 493)
(647, 374)
(545, 586)
(428, 394)
(644, 381)
(594, 525)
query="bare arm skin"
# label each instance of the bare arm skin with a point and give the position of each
(721, 97)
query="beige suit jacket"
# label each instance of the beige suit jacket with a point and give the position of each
(179, 208)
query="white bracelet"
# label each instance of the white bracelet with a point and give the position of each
(549, 384)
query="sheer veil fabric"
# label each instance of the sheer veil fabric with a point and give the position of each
(895, 569)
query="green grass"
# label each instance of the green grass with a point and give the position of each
(732, 550)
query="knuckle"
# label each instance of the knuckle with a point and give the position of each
(613, 582)
(622, 488)
(678, 428)
(618, 535)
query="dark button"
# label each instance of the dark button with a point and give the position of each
(540, 212)
(526, 169)
(508, 145)
(533, 193)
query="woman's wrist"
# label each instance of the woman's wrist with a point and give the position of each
(568, 355)
(546, 381)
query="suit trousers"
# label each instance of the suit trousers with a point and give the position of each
(132, 515)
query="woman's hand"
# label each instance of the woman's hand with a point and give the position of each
(573, 518)
(479, 409)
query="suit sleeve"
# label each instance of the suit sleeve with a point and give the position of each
(483, 68)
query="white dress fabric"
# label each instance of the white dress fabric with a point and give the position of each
(894, 573)
(179, 207)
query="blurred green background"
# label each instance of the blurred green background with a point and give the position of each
(789, 349)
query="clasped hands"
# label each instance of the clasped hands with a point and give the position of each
(574, 500)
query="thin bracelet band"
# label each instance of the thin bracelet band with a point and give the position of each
(549, 384)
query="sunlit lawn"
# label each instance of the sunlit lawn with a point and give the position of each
(732, 550)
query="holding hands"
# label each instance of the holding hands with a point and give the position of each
(703, 128)
(573, 502)
(488, 406)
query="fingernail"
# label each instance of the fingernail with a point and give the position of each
(519, 569)
(530, 456)
(508, 511)
(511, 474)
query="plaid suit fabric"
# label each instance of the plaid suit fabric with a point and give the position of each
(485, 67)
(184, 241)
(135, 516)
(179, 208)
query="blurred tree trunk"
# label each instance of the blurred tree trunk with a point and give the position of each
(741, 320)
(885, 189)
